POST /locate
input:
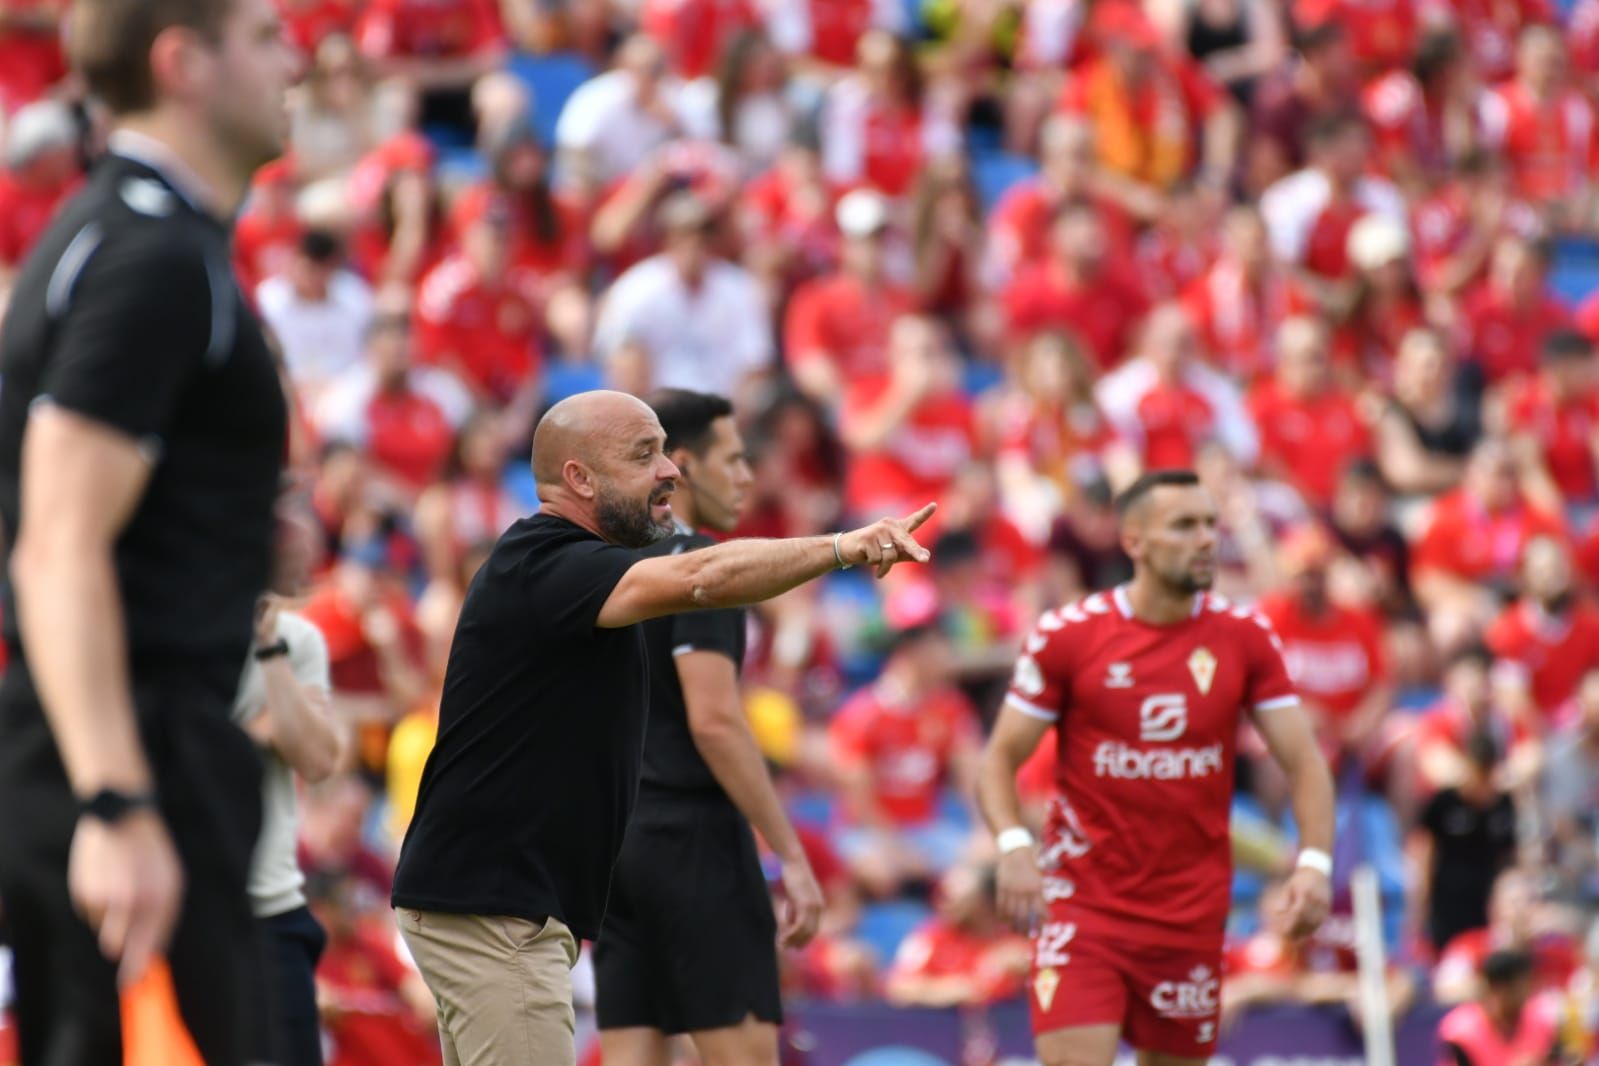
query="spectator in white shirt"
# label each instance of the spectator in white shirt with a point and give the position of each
(613, 122)
(685, 319)
(744, 105)
(319, 312)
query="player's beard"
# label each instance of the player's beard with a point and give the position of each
(1185, 582)
(628, 522)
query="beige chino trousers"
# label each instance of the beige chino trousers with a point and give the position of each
(503, 986)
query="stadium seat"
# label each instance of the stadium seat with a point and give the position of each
(884, 925)
(814, 809)
(995, 172)
(552, 79)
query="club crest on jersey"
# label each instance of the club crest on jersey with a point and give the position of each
(1044, 986)
(1120, 675)
(1202, 664)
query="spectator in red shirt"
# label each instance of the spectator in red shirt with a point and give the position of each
(895, 745)
(1421, 115)
(1019, 224)
(373, 644)
(404, 417)
(1548, 638)
(880, 126)
(1506, 1023)
(1493, 29)
(910, 431)
(1382, 33)
(1334, 653)
(1554, 427)
(967, 955)
(1472, 707)
(827, 32)
(785, 218)
(1384, 302)
(1457, 227)
(1510, 316)
(695, 33)
(1310, 428)
(1544, 127)
(547, 230)
(1237, 304)
(1156, 114)
(268, 231)
(478, 313)
(437, 47)
(836, 329)
(31, 62)
(1474, 539)
(946, 240)
(1518, 920)
(376, 1009)
(1168, 404)
(1077, 288)
(41, 172)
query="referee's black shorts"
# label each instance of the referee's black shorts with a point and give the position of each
(209, 779)
(689, 941)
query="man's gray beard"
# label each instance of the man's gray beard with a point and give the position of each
(628, 522)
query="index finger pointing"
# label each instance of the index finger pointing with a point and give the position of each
(919, 517)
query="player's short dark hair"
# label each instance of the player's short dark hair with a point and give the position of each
(1501, 968)
(688, 416)
(1149, 482)
(109, 43)
(1565, 344)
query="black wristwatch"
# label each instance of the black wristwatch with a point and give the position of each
(272, 651)
(111, 805)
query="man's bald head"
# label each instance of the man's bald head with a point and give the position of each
(600, 460)
(579, 427)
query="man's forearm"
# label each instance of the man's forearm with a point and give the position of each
(997, 799)
(742, 572)
(1312, 802)
(729, 749)
(70, 614)
(301, 727)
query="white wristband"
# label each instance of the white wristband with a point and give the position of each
(838, 556)
(1315, 859)
(1011, 839)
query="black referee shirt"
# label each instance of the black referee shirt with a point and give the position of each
(127, 313)
(527, 792)
(671, 758)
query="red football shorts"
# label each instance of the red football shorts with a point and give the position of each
(1166, 999)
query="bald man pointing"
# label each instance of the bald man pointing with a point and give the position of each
(541, 730)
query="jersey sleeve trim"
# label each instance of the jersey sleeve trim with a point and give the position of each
(1031, 710)
(1278, 704)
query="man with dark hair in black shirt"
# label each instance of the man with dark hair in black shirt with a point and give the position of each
(689, 943)
(142, 431)
(527, 792)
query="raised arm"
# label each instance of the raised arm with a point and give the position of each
(742, 572)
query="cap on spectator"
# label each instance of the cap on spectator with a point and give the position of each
(38, 128)
(1377, 240)
(861, 213)
(684, 212)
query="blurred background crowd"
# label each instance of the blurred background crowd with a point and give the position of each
(1003, 254)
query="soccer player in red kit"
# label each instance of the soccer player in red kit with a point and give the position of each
(1144, 686)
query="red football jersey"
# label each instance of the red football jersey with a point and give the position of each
(1555, 651)
(1147, 726)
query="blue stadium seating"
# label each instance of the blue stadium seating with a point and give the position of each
(552, 79)
(884, 925)
(995, 172)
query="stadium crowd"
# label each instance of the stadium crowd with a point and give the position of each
(1001, 254)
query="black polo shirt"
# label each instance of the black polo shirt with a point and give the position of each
(671, 758)
(127, 313)
(527, 792)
